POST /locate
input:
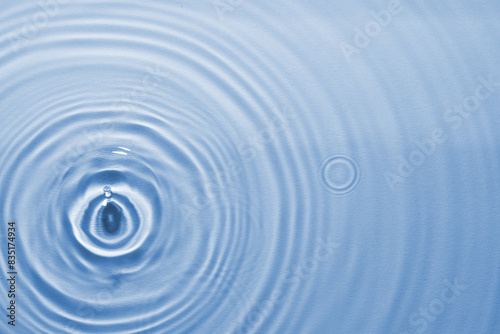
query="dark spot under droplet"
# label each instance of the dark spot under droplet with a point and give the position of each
(110, 217)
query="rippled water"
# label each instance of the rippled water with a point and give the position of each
(251, 166)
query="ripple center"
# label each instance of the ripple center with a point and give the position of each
(340, 174)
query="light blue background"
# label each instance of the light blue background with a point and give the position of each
(282, 167)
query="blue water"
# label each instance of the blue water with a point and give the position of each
(250, 166)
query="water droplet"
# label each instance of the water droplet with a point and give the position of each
(340, 174)
(107, 191)
(110, 216)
